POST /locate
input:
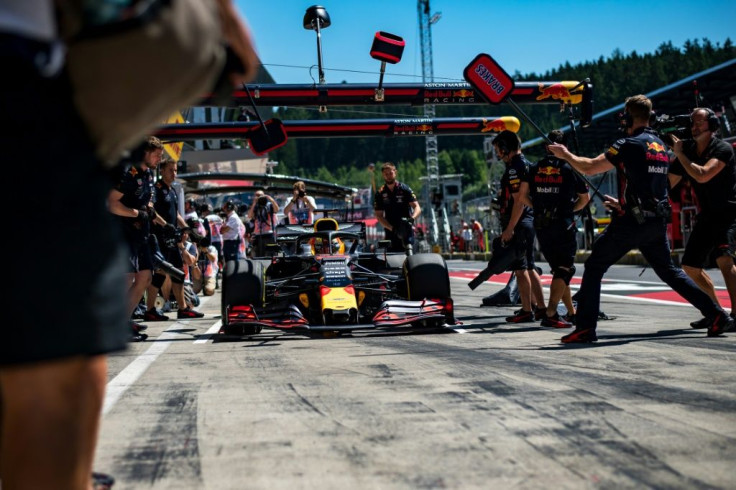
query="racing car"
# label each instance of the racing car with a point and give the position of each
(319, 279)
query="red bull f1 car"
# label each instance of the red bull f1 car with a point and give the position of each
(319, 279)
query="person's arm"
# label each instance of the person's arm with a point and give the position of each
(699, 173)
(182, 222)
(275, 205)
(416, 210)
(516, 213)
(674, 179)
(584, 165)
(186, 256)
(581, 202)
(117, 208)
(381, 217)
(524, 195)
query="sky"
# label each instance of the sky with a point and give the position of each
(525, 35)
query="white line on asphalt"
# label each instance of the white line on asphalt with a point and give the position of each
(208, 335)
(460, 330)
(128, 376)
(604, 295)
(133, 371)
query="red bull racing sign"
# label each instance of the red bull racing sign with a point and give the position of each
(489, 79)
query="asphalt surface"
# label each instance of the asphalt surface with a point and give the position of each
(483, 405)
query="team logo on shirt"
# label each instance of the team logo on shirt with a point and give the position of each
(549, 171)
(655, 147)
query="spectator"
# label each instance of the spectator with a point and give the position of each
(231, 233)
(205, 281)
(262, 212)
(467, 236)
(478, 235)
(300, 207)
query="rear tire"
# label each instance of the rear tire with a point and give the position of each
(242, 284)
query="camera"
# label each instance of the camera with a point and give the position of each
(159, 261)
(262, 201)
(666, 125)
(171, 237)
(301, 193)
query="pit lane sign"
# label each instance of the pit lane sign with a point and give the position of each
(489, 79)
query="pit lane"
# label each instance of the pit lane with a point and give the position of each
(499, 405)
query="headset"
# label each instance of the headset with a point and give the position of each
(229, 206)
(503, 145)
(713, 123)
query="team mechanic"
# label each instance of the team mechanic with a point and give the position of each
(131, 200)
(166, 205)
(640, 220)
(555, 193)
(394, 203)
(710, 164)
(514, 249)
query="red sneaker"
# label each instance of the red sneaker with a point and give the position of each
(555, 322)
(580, 336)
(521, 316)
(153, 315)
(189, 313)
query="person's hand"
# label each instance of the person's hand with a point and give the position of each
(507, 235)
(169, 228)
(676, 144)
(611, 203)
(558, 150)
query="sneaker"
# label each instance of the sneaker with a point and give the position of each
(521, 316)
(138, 327)
(540, 313)
(580, 336)
(721, 324)
(153, 315)
(167, 307)
(101, 481)
(570, 318)
(189, 313)
(702, 323)
(555, 322)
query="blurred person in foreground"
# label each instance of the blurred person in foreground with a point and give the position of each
(53, 357)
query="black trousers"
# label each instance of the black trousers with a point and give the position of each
(621, 236)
